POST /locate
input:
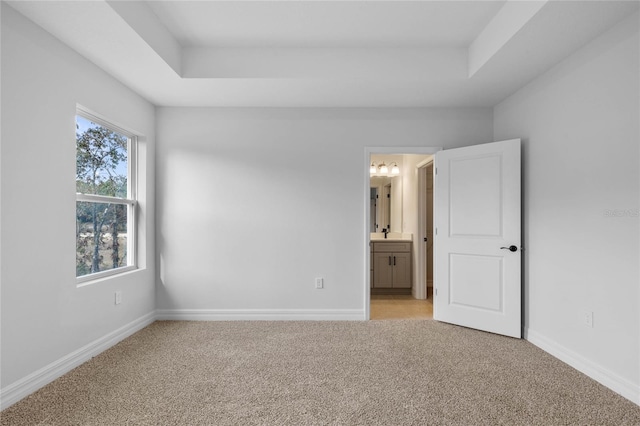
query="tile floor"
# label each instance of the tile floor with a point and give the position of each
(388, 307)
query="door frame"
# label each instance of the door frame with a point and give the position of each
(421, 271)
(366, 182)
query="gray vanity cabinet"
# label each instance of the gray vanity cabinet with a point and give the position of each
(391, 264)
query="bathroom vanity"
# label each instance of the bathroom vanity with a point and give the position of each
(391, 264)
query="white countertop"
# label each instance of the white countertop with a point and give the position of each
(392, 236)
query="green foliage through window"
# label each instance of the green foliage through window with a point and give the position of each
(101, 237)
(102, 157)
(101, 160)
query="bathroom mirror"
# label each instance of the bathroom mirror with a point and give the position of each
(386, 203)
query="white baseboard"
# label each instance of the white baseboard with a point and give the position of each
(260, 314)
(34, 381)
(602, 375)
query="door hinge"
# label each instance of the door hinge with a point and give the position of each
(436, 170)
(436, 231)
(435, 291)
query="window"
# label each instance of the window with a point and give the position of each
(105, 198)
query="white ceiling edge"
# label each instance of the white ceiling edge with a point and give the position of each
(141, 19)
(95, 31)
(555, 32)
(327, 24)
(145, 58)
(510, 19)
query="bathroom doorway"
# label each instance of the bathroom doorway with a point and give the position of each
(397, 306)
(410, 229)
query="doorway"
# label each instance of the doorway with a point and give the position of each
(479, 255)
(409, 306)
(397, 307)
(411, 302)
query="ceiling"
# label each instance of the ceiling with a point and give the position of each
(321, 53)
(325, 24)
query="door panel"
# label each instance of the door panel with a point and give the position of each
(477, 213)
(482, 197)
(476, 281)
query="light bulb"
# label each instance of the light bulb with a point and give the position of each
(395, 170)
(372, 169)
(384, 168)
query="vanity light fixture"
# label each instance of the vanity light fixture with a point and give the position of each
(383, 170)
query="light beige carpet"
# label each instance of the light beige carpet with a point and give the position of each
(416, 372)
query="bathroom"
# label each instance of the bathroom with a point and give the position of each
(401, 236)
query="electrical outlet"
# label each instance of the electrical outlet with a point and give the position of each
(118, 297)
(588, 318)
(319, 282)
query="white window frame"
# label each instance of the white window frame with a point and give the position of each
(131, 202)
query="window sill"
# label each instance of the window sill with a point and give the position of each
(104, 275)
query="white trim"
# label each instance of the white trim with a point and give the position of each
(14, 392)
(601, 375)
(420, 285)
(92, 198)
(259, 314)
(367, 235)
(132, 193)
(420, 288)
(105, 122)
(424, 163)
(85, 279)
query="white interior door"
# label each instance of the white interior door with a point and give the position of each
(477, 237)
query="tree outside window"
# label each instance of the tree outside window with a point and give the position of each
(104, 202)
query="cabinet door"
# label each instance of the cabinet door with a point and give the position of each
(382, 270)
(401, 270)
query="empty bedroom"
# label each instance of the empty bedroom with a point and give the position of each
(320, 212)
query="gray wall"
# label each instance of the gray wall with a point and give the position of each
(580, 125)
(45, 316)
(252, 204)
